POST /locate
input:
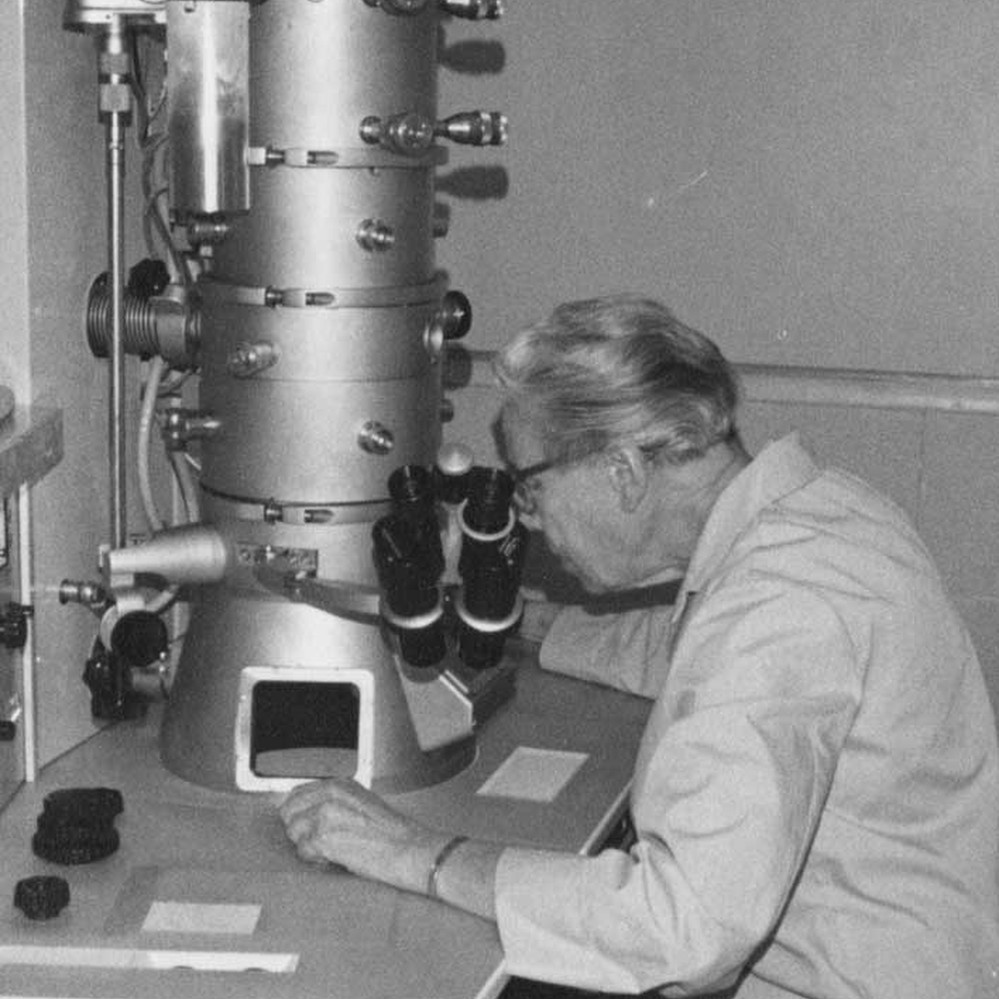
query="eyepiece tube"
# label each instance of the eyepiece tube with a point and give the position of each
(408, 571)
(494, 546)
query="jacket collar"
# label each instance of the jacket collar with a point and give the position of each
(781, 468)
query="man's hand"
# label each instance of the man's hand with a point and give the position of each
(341, 822)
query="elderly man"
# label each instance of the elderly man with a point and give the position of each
(816, 797)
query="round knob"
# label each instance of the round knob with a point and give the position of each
(402, 7)
(454, 462)
(475, 128)
(375, 438)
(473, 10)
(76, 825)
(455, 315)
(455, 459)
(42, 896)
(373, 234)
(247, 359)
(409, 133)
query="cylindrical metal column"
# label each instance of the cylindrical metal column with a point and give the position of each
(318, 364)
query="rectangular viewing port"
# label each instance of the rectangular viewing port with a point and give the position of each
(296, 724)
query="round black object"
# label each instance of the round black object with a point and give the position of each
(75, 845)
(93, 804)
(76, 825)
(140, 638)
(148, 277)
(41, 897)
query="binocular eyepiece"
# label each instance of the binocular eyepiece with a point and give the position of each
(493, 547)
(410, 562)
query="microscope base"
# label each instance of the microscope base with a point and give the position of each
(270, 693)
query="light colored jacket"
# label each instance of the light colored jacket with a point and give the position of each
(817, 791)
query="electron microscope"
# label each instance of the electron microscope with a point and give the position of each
(349, 582)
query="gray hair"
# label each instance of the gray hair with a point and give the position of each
(619, 369)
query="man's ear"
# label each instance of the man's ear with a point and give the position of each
(629, 472)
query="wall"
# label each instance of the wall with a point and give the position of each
(809, 184)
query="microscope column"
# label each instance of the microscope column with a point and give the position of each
(319, 364)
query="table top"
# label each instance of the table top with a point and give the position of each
(205, 898)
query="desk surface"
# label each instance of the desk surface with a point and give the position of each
(322, 932)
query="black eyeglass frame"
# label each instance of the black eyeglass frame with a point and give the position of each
(522, 476)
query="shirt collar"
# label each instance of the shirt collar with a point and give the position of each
(782, 467)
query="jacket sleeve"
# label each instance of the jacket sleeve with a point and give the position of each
(734, 769)
(626, 650)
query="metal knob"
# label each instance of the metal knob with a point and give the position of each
(474, 128)
(375, 438)
(452, 321)
(183, 425)
(473, 10)
(247, 359)
(411, 134)
(455, 315)
(408, 134)
(374, 235)
(403, 7)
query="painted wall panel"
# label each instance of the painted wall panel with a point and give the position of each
(809, 183)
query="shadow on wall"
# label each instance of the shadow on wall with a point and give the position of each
(472, 57)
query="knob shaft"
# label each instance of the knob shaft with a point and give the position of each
(475, 128)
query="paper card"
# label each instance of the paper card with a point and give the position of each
(200, 917)
(533, 774)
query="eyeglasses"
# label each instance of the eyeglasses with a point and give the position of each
(523, 494)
